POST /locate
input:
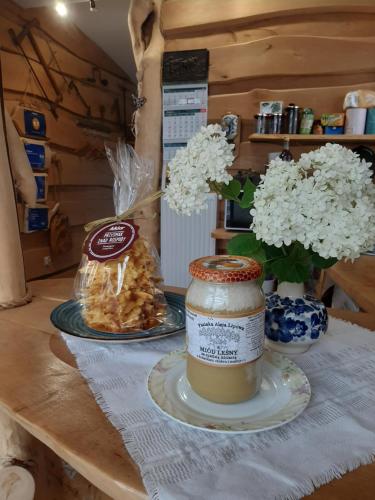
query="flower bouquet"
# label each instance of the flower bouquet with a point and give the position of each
(306, 213)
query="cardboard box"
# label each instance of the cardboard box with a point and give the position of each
(35, 219)
(333, 130)
(36, 155)
(35, 123)
(41, 181)
(332, 119)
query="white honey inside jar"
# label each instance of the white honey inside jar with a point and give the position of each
(225, 328)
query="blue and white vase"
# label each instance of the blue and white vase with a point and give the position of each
(294, 321)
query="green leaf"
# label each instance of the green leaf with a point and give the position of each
(320, 262)
(248, 194)
(242, 244)
(248, 246)
(232, 190)
(273, 252)
(293, 267)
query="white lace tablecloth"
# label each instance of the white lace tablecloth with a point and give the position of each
(334, 435)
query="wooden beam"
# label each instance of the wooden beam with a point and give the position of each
(287, 82)
(331, 23)
(13, 286)
(148, 46)
(292, 56)
(188, 18)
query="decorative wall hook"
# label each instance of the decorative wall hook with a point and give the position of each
(138, 101)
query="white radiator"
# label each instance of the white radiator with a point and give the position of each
(184, 239)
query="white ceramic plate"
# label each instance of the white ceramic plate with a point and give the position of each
(284, 394)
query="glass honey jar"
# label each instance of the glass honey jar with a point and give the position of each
(225, 328)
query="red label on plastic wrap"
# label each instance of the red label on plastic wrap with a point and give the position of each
(110, 241)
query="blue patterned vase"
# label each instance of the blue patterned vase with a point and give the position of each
(293, 324)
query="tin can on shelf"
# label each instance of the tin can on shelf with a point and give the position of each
(291, 119)
(269, 123)
(307, 120)
(276, 123)
(370, 121)
(295, 120)
(260, 123)
(225, 328)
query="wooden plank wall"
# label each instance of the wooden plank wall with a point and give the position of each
(310, 52)
(80, 178)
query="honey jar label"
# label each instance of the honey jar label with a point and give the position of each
(225, 341)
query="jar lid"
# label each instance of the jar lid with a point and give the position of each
(225, 269)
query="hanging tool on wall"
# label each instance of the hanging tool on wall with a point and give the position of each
(94, 126)
(72, 86)
(17, 40)
(97, 76)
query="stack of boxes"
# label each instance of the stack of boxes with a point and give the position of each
(35, 140)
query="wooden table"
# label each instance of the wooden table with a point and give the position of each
(41, 389)
(357, 279)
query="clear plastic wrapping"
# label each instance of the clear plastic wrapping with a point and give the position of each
(360, 99)
(118, 282)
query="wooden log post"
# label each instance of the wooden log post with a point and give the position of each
(15, 442)
(16, 448)
(13, 290)
(148, 46)
(26, 463)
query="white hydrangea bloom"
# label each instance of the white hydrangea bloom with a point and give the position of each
(204, 160)
(326, 201)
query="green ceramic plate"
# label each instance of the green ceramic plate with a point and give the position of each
(67, 318)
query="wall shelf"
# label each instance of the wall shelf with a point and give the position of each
(311, 138)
